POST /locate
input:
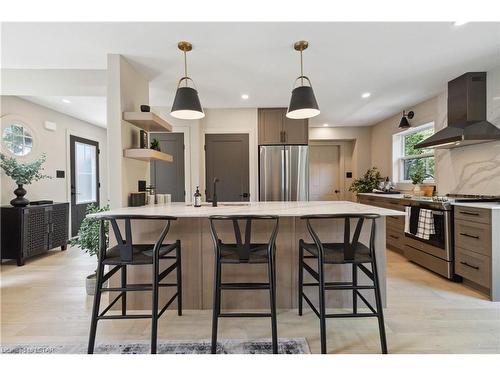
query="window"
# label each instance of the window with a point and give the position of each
(17, 139)
(86, 176)
(408, 159)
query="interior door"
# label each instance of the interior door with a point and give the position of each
(168, 177)
(227, 159)
(84, 165)
(324, 182)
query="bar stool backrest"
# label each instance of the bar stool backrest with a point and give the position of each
(125, 244)
(243, 245)
(349, 243)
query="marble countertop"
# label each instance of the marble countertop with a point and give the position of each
(486, 205)
(282, 209)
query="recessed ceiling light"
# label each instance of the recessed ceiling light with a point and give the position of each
(325, 124)
(365, 95)
(459, 23)
(244, 96)
(66, 101)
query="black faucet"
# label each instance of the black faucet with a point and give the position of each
(214, 195)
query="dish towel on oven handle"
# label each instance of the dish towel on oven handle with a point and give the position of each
(425, 224)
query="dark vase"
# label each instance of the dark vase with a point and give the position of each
(19, 201)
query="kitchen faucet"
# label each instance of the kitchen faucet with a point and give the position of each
(214, 195)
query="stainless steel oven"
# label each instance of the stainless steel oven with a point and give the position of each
(435, 253)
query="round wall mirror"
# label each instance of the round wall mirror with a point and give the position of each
(18, 139)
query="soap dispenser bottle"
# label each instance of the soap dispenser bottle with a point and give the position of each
(197, 197)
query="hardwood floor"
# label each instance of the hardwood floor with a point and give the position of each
(45, 302)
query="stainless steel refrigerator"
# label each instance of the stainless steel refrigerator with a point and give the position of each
(283, 173)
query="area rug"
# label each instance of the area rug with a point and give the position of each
(285, 346)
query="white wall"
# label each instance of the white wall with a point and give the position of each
(55, 144)
(126, 91)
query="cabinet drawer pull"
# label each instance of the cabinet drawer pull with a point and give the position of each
(469, 213)
(393, 236)
(469, 265)
(469, 235)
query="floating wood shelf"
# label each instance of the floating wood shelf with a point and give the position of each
(147, 121)
(147, 154)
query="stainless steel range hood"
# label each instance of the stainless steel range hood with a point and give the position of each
(467, 123)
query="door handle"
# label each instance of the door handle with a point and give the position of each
(469, 235)
(469, 265)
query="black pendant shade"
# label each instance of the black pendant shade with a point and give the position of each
(187, 104)
(303, 103)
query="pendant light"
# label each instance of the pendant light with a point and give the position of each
(303, 102)
(187, 104)
(404, 124)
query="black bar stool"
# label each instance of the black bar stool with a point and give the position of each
(244, 252)
(126, 253)
(347, 252)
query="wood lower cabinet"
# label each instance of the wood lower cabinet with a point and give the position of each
(33, 230)
(275, 128)
(395, 225)
(477, 248)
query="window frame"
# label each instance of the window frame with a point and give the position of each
(400, 157)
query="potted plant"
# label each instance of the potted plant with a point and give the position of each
(22, 174)
(417, 178)
(88, 240)
(155, 144)
(368, 182)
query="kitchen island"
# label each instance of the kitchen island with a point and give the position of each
(192, 228)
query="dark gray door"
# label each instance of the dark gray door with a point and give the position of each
(226, 157)
(84, 165)
(168, 177)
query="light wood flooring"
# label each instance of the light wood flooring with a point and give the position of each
(45, 302)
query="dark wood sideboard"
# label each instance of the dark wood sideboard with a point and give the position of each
(33, 230)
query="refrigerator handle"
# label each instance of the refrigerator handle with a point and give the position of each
(283, 197)
(287, 175)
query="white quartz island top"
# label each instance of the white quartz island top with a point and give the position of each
(282, 209)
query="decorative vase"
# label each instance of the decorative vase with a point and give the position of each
(19, 201)
(416, 190)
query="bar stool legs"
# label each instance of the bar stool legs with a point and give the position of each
(322, 308)
(301, 278)
(216, 306)
(380, 310)
(272, 296)
(95, 309)
(124, 293)
(179, 277)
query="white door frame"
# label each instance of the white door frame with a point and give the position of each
(341, 146)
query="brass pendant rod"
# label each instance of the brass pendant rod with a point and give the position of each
(185, 68)
(301, 69)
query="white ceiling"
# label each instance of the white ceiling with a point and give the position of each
(91, 109)
(401, 64)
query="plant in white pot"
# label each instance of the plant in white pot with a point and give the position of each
(88, 240)
(22, 174)
(417, 178)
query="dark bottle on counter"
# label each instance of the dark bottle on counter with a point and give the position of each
(197, 197)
